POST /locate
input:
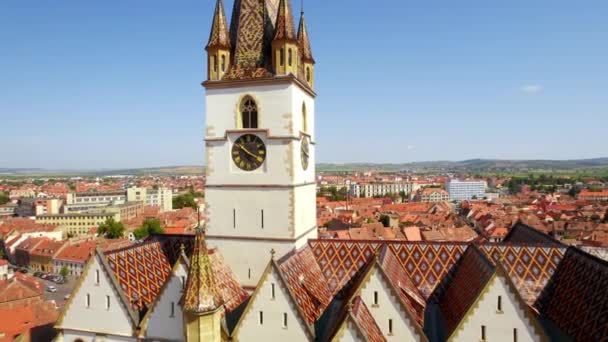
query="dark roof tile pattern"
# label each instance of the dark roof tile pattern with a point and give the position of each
(365, 321)
(576, 298)
(521, 233)
(462, 287)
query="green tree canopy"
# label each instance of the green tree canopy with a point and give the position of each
(111, 229)
(386, 220)
(150, 226)
(4, 198)
(184, 201)
(64, 271)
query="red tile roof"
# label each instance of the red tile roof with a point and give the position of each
(78, 252)
(366, 322)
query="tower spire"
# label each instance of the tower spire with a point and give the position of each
(284, 28)
(201, 295)
(219, 36)
(308, 62)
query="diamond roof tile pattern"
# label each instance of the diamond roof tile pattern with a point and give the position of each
(284, 27)
(307, 283)
(141, 271)
(576, 298)
(202, 293)
(230, 289)
(219, 36)
(530, 267)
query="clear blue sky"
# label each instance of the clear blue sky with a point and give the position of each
(114, 83)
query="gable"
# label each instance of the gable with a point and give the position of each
(273, 311)
(387, 307)
(349, 333)
(164, 320)
(96, 316)
(513, 318)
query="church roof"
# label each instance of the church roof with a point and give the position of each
(284, 28)
(140, 272)
(219, 36)
(365, 321)
(521, 233)
(576, 298)
(201, 293)
(462, 287)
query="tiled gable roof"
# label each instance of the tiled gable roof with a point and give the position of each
(306, 281)
(408, 292)
(140, 271)
(365, 322)
(231, 291)
(530, 267)
(576, 297)
(461, 287)
(524, 234)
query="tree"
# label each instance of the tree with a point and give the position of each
(64, 271)
(149, 227)
(4, 198)
(111, 229)
(474, 197)
(386, 220)
(184, 201)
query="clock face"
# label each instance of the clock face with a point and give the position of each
(248, 152)
(304, 153)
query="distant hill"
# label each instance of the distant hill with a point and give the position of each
(475, 165)
(472, 165)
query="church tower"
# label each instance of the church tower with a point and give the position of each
(260, 143)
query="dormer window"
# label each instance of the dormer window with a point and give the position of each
(249, 113)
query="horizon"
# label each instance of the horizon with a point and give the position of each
(117, 86)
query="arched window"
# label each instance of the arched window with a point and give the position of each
(249, 113)
(307, 74)
(304, 118)
(223, 63)
(214, 63)
(281, 57)
(289, 57)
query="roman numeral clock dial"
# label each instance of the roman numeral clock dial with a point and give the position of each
(248, 152)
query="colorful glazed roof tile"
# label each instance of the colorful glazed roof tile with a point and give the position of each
(140, 271)
(250, 31)
(576, 298)
(339, 260)
(427, 263)
(365, 321)
(284, 27)
(304, 41)
(462, 287)
(202, 293)
(530, 267)
(306, 281)
(408, 292)
(219, 36)
(229, 288)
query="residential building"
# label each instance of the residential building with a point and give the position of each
(595, 196)
(74, 257)
(8, 209)
(42, 255)
(78, 223)
(461, 190)
(161, 197)
(83, 201)
(432, 195)
(48, 206)
(372, 189)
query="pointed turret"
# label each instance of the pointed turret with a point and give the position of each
(218, 47)
(285, 54)
(202, 301)
(308, 62)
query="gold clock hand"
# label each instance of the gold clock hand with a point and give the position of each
(246, 150)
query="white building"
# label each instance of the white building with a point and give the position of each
(161, 197)
(465, 190)
(83, 201)
(381, 189)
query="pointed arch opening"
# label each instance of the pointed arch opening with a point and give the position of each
(304, 118)
(249, 113)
